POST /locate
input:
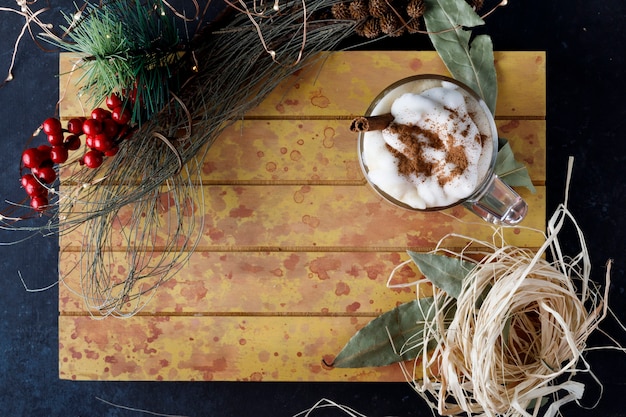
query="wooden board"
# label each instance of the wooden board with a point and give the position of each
(296, 248)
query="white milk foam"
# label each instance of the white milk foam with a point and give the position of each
(452, 114)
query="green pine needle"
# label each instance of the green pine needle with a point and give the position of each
(126, 46)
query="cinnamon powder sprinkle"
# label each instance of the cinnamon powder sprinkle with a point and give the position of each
(414, 161)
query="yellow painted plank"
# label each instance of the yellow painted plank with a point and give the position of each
(284, 150)
(346, 82)
(521, 84)
(326, 151)
(72, 102)
(257, 283)
(268, 218)
(208, 348)
(528, 142)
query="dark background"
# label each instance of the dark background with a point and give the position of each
(585, 43)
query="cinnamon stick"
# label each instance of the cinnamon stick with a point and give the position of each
(368, 123)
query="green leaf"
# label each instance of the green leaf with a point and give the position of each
(379, 342)
(512, 172)
(472, 64)
(445, 272)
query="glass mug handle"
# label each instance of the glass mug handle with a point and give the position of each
(498, 203)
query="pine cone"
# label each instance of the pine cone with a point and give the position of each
(413, 25)
(389, 24)
(359, 9)
(416, 8)
(398, 32)
(378, 8)
(341, 11)
(370, 28)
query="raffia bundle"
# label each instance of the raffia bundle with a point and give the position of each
(514, 338)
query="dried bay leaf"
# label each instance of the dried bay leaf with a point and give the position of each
(512, 172)
(398, 335)
(471, 63)
(379, 343)
(445, 272)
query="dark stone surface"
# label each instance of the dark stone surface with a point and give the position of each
(584, 41)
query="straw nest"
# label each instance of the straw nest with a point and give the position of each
(513, 340)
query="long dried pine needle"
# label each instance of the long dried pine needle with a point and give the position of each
(137, 410)
(139, 215)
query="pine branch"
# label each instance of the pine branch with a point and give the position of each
(126, 46)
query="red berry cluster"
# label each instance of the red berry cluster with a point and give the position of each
(103, 133)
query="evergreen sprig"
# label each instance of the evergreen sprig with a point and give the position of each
(127, 47)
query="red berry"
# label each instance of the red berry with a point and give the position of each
(100, 114)
(110, 128)
(131, 94)
(37, 171)
(112, 152)
(45, 153)
(55, 139)
(72, 142)
(52, 125)
(102, 142)
(44, 149)
(89, 142)
(26, 178)
(121, 115)
(36, 190)
(32, 186)
(39, 203)
(59, 154)
(75, 126)
(113, 101)
(92, 127)
(46, 174)
(33, 158)
(93, 159)
(124, 133)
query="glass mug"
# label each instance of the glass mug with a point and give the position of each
(491, 199)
